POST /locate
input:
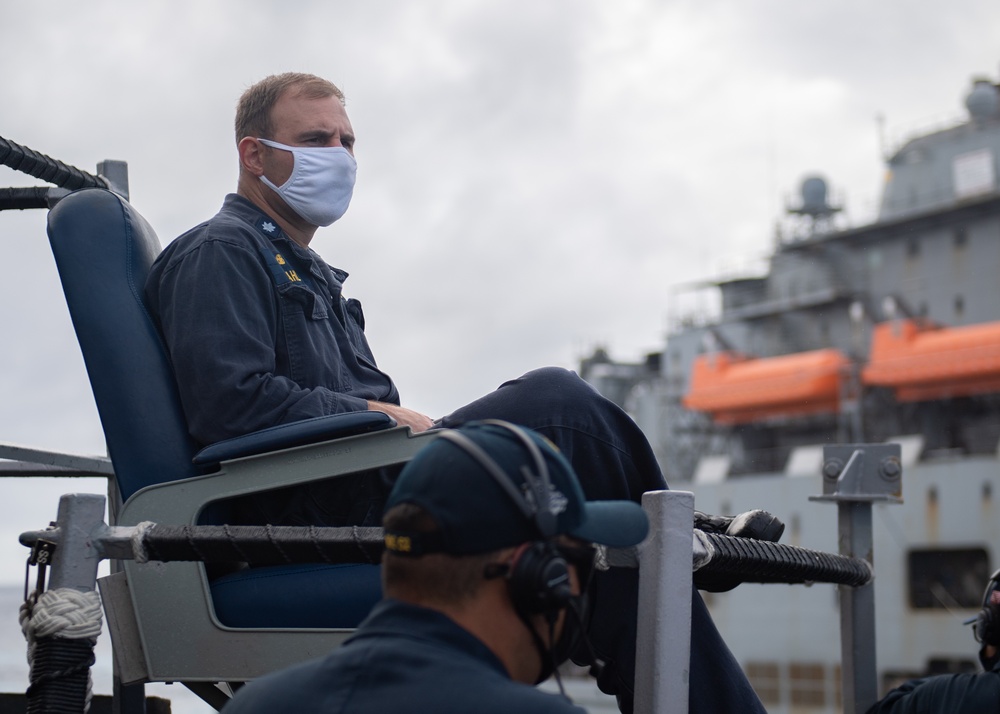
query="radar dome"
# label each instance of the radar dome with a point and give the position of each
(983, 101)
(814, 195)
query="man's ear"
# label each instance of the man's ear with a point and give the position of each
(250, 150)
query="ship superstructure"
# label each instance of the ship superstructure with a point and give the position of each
(889, 331)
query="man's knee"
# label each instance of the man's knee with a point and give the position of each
(556, 383)
(543, 398)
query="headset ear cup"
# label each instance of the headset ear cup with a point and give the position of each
(988, 627)
(539, 581)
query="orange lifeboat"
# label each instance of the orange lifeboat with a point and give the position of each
(921, 362)
(735, 389)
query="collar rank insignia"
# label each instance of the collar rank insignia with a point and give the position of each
(268, 227)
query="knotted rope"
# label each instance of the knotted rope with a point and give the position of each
(61, 627)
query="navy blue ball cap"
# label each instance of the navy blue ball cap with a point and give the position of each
(481, 504)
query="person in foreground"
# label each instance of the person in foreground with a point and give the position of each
(964, 693)
(489, 550)
(259, 333)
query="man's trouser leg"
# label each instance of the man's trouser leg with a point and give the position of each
(613, 460)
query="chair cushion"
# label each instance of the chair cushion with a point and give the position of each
(297, 596)
(284, 436)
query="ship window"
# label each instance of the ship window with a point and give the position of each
(808, 684)
(913, 248)
(959, 306)
(961, 237)
(947, 578)
(765, 678)
(892, 678)
(801, 684)
(950, 665)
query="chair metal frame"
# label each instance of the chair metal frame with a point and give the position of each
(146, 602)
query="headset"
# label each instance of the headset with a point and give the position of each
(986, 626)
(538, 581)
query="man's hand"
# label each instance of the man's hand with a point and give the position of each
(403, 416)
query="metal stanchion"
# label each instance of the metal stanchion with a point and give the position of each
(854, 477)
(663, 643)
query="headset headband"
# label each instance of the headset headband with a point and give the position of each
(539, 512)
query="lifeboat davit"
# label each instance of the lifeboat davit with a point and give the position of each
(920, 361)
(735, 389)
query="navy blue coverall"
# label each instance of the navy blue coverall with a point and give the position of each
(966, 693)
(403, 659)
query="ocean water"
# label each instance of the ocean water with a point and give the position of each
(14, 668)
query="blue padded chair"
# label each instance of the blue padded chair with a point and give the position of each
(168, 622)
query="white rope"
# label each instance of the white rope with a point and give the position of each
(63, 612)
(601, 557)
(139, 553)
(703, 549)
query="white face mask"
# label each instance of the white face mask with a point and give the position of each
(321, 184)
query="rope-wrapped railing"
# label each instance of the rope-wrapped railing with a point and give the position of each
(758, 561)
(61, 660)
(65, 177)
(12, 199)
(21, 158)
(748, 560)
(258, 545)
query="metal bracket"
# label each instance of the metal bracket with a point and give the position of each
(115, 172)
(862, 473)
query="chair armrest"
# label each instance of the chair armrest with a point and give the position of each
(181, 502)
(283, 436)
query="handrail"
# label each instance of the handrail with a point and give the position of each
(112, 175)
(21, 158)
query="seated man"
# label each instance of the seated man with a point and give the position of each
(965, 693)
(488, 554)
(259, 333)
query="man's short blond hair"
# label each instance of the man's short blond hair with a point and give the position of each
(253, 112)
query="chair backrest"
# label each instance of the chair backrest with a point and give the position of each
(103, 250)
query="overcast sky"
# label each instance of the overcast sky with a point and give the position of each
(533, 176)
